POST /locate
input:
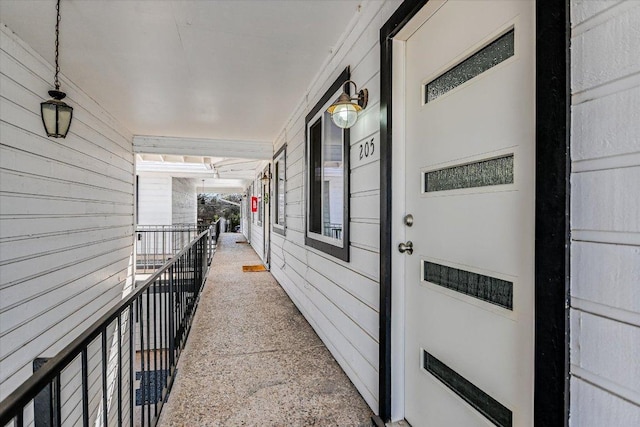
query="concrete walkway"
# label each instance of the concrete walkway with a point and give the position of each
(252, 359)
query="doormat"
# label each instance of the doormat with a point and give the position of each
(241, 241)
(258, 267)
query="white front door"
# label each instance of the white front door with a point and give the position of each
(469, 179)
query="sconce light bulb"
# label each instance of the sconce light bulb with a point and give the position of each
(345, 115)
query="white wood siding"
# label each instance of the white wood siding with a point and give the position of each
(339, 299)
(66, 215)
(184, 201)
(154, 200)
(605, 214)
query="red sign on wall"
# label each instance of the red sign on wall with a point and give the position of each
(254, 204)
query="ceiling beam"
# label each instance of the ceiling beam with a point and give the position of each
(261, 150)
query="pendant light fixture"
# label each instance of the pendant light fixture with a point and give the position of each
(56, 115)
(344, 112)
(202, 201)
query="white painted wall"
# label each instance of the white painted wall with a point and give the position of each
(257, 225)
(340, 299)
(245, 216)
(166, 200)
(184, 203)
(605, 214)
(154, 200)
(66, 215)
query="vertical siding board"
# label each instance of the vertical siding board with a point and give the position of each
(605, 313)
(184, 209)
(66, 221)
(154, 200)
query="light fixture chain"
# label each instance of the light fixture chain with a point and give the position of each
(56, 80)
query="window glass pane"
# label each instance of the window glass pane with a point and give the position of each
(486, 58)
(333, 179)
(259, 194)
(315, 177)
(479, 174)
(280, 216)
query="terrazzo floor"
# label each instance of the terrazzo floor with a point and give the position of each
(252, 359)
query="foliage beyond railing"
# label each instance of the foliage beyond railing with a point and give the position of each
(119, 371)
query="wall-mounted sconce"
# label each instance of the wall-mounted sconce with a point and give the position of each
(266, 177)
(344, 112)
(56, 115)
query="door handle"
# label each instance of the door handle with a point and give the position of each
(406, 247)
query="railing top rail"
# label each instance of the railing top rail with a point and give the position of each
(175, 227)
(149, 227)
(36, 382)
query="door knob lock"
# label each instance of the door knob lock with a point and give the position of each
(408, 220)
(406, 247)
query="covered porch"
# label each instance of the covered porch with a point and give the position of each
(496, 140)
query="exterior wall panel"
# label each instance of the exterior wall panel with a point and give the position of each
(184, 209)
(154, 200)
(605, 214)
(66, 215)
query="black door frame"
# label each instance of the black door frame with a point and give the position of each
(551, 388)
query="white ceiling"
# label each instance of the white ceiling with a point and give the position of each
(232, 69)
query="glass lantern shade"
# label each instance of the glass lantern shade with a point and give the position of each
(56, 117)
(345, 115)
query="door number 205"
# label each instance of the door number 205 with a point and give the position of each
(367, 149)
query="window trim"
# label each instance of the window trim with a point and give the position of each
(314, 240)
(259, 213)
(277, 227)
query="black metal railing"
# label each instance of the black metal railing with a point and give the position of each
(119, 371)
(214, 233)
(155, 244)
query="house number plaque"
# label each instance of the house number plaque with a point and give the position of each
(365, 151)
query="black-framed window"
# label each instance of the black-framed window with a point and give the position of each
(265, 196)
(279, 190)
(259, 195)
(327, 190)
